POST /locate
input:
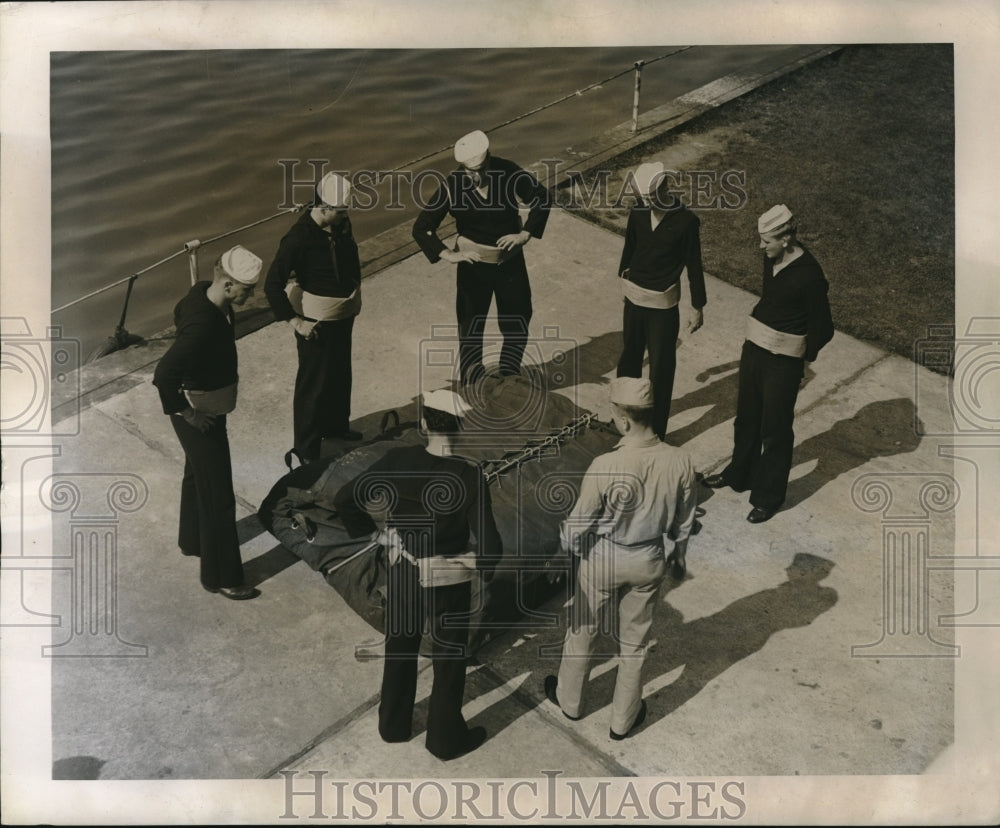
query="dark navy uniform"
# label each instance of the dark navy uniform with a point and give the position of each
(203, 358)
(655, 259)
(437, 503)
(793, 301)
(483, 220)
(325, 265)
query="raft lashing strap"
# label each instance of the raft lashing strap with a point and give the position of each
(534, 449)
(392, 415)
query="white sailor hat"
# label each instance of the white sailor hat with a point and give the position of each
(334, 190)
(471, 149)
(648, 176)
(632, 391)
(447, 401)
(774, 219)
(240, 264)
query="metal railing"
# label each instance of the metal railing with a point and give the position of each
(121, 338)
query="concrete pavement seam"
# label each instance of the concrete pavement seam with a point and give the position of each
(135, 431)
(323, 735)
(158, 447)
(843, 383)
(530, 703)
(523, 698)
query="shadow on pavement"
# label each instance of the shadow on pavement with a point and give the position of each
(878, 429)
(704, 648)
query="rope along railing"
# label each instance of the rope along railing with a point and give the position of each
(636, 67)
(122, 338)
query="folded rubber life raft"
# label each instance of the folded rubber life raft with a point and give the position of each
(533, 448)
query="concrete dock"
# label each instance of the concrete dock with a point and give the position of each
(761, 665)
(823, 644)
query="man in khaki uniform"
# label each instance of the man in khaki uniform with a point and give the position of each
(638, 502)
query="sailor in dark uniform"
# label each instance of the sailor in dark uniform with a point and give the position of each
(431, 506)
(482, 196)
(662, 246)
(197, 380)
(314, 283)
(786, 329)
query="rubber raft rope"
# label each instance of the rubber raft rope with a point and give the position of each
(493, 470)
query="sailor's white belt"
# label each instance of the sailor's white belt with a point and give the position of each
(777, 342)
(219, 401)
(487, 253)
(436, 570)
(652, 298)
(331, 308)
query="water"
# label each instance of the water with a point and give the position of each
(152, 149)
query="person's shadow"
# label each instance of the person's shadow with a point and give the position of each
(705, 648)
(878, 429)
(598, 357)
(720, 395)
(720, 398)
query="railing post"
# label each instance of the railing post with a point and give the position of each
(128, 296)
(635, 97)
(192, 250)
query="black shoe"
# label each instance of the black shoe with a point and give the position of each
(353, 436)
(758, 514)
(240, 593)
(551, 682)
(714, 481)
(474, 739)
(639, 719)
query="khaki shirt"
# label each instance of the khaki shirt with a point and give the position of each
(641, 494)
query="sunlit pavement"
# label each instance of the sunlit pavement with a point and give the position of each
(819, 643)
(776, 656)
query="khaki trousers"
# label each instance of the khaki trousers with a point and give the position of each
(638, 572)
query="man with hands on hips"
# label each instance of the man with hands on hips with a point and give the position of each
(482, 196)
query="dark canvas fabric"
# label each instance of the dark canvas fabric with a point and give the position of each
(529, 501)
